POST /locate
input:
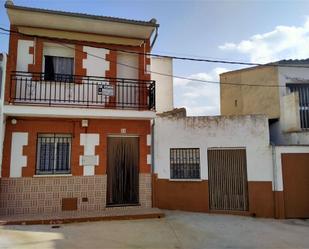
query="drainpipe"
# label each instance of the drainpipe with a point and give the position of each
(273, 152)
(155, 38)
(2, 117)
(152, 162)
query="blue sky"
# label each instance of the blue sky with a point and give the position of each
(257, 31)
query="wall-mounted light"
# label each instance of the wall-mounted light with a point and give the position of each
(84, 123)
(13, 121)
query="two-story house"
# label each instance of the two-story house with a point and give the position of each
(78, 107)
(279, 90)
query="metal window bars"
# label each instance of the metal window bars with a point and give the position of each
(53, 154)
(185, 163)
(303, 93)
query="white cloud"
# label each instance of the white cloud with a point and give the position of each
(199, 98)
(284, 42)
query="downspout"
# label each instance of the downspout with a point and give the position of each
(2, 117)
(154, 39)
(273, 152)
(152, 163)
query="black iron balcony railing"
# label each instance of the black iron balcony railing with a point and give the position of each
(86, 91)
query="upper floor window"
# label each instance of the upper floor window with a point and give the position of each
(58, 68)
(303, 93)
(185, 163)
(58, 62)
(53, 153)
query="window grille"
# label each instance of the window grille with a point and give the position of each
(185, 163)
(303, 92)
(53, 153)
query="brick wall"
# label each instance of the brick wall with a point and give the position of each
(73, 126)
(31, 195)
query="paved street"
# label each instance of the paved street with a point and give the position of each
(177, 230)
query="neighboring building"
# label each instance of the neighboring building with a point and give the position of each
(225, 164)
(284, 101)
(281, 92)
(78, 112)
(213, 164)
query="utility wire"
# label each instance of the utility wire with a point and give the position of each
(209, 60)
(140, 69)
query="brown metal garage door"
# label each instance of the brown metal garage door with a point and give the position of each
(227, 179)
(295, 170)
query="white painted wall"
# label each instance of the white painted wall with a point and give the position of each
(89, 160)
(23, 56)
(54, 49)
(164, 84)
(278, 135)
(18, 160)
(2, 117)
(278, 179)
(127, 66)
(95, 66)
(290, 117)
(250, 132)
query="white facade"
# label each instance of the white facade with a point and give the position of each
(277, 152)
(249, 132)
(89, 160)
(287, 130)
(94, 65)
(164, 83)
(18, 160)
(2, 119)
(24, 58)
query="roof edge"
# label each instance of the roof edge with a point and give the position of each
(151, 23)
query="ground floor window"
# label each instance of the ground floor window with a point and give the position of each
(185, 163)
(53, 153)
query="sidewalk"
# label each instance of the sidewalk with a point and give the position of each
(82, 216)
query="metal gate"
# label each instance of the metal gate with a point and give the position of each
(227, 177)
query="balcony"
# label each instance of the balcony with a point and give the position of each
(81, 91)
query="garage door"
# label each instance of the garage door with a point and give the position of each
(295, 170)
(227, 179)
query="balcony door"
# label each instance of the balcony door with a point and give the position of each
(127, 93)
(122, 171)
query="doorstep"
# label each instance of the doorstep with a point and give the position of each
(81, 216)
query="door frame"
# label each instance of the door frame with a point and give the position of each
(121, 135)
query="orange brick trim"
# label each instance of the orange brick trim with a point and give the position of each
(30, 151)
(11, 62)
(100, 151)
(143, 61)
(36, 67)
(77, 149)
(103, 127)
(79, 57)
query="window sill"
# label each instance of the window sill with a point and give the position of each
(185, 180)
(52, 175)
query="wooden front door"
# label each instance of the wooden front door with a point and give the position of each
(295, 170)
(122, 170)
